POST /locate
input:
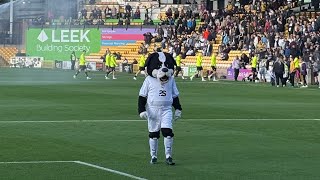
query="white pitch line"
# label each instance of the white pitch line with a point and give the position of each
(253, 119)
(141, 120)
(110, 170)
(77, 162)
(74, 121)
(36, 162)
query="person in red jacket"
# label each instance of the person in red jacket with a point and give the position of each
(206, 34)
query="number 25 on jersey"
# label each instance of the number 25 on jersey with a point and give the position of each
(162, 93)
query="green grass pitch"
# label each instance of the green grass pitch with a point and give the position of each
(229, 131)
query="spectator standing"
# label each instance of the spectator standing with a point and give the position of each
(244, 60)
(113, 12)
(84, 13)
(316, 67)
(236, 67)
(292, 71)
(137, 13)
(263, 70)
(286, 73)
(254, 63)
(304, 73)
(128, 9)
(99, 13)
(297, 68)
(73, 59)
(278, 69)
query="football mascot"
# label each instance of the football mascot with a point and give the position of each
(156, 97)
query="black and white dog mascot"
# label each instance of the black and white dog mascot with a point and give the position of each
(156, 97)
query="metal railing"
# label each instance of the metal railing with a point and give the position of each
(84, 26)
(9, 40)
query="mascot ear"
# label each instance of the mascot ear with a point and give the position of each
(147, 61)
(170, 62)
(151, 63)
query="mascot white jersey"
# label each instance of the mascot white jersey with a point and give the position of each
(157, 95)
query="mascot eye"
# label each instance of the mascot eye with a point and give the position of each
(168, 65)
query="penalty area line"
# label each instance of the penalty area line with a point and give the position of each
(141, 120)
(80, 163)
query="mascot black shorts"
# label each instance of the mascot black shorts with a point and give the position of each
(142, 68)
(199, 68)
(178, 68)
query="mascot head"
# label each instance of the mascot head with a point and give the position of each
(160, 65)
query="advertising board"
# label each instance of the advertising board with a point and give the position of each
(58, 44)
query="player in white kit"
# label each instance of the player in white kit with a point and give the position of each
(156, 97)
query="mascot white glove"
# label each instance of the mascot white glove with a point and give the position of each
(177, 115)
(144, 115)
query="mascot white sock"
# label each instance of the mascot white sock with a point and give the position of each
(168, 142)
(153, 143)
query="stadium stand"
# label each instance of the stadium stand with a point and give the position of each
(6, 53)
(233, 31)
(249, 29)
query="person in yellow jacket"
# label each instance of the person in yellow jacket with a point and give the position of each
(107, 61)
(296, 62)
(178, 67)
(82, 65)
(112, 66)
(292, 71)
(254, 63)
(263, 7)
(213, 66)
(199, 59)
(142, 62)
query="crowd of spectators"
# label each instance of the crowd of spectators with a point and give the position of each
(100, 15)
(267, 29)
(178, 33)
(258, 27)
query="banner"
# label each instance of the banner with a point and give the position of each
(58, 64)
(26, 62)
(117, 42)
(53, 44)
(66, 64)
(122, 36)
(99, 66)
(192, 70)
(47, 64)
(128, 68)
(243, 73)
(92, 66)
(185, 70)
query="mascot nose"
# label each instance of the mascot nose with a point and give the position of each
(165, 70)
